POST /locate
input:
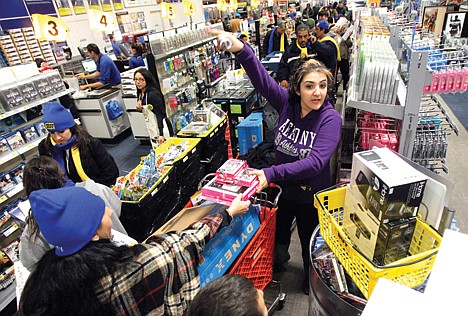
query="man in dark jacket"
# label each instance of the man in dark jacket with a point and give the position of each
(325, 47)
(293, 53)
(275, 40)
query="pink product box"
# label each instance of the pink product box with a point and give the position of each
(246, 179)
(224, 193)
(229, 170)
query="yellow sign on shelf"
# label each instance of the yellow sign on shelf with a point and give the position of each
(168, 11)
(189, 8)
(50, 28)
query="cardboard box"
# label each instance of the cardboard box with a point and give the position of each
(381, 243)
(221, 251)
(391, 189)
(250, 132)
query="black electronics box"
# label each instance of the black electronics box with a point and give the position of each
(29, 92)
(12, 97)
(394, 240)
(43, 87)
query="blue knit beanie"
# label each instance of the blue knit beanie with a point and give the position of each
(68, 217)
(56, 117)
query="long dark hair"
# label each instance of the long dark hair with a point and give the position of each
(40, 173)
(303, 67)
(83, 140)
(151, 84)
(66, 285)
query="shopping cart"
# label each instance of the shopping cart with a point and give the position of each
(256, 260)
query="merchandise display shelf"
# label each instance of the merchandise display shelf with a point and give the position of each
(35, 103)
(21, 150)
(18, 188)
(7, 295)
(183, 48)
(390, 110)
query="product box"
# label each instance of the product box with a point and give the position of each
(221, 251)
(29, 133)
(391, 189)
(250, 132)
(15, 140)
(244, 178)
(29, 92)
(12, 97)
(381, 243)
(40, 128)
(43, 87)
(17, 173)
(225, 193)
(56, 82)
(229, 170)
(4, 147)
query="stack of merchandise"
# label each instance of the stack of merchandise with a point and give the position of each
(232, 178)
(377, 65)
(183, 154)
(381, 205)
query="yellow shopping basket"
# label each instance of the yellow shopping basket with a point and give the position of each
(410, 271)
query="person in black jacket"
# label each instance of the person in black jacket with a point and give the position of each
(148, 94)
(273, 39)
(325, 47)
(294, 52)
(80, 155)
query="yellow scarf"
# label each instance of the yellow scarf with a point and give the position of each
(328, 38)
(282, 43)
(75, 152)
(303, 50)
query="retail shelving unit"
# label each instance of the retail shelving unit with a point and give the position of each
(8, 161)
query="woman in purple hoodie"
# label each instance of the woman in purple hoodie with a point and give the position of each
(308, 133)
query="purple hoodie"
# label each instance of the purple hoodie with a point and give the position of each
(303, 145)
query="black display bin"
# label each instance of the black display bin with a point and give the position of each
(323, 301)
(138, 217)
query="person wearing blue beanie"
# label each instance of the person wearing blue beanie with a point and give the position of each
(87, 274)
(45, 173)
(80, 155)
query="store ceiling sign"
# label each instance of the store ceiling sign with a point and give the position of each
(137, 3)
(50, 28)
(40, 6)
(222, 5)
(101, 21)
(168, 11)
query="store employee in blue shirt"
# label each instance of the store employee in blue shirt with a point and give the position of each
(107, 72)
(115, 47)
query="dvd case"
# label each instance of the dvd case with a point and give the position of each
(4, 147)
(29, 133)
(15, 140)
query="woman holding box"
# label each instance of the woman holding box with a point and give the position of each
(308, 133)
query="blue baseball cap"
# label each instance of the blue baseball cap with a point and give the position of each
(323, 25)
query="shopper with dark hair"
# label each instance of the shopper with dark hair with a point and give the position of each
(230, 295)
(325, 47)
(88, 275)
(300, 49)
(137, 59)
(106, 73)
(308, 12)
(45, 173)
(149, 96)
(275, 40)
(308, 133)
(80, 155)
(115, 48)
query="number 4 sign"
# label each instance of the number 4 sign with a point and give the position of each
(101, 21)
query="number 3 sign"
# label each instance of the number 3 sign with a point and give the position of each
(50, 28)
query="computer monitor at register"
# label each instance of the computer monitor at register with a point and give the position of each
(89, 65)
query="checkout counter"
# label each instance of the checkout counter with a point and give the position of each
(93, 113)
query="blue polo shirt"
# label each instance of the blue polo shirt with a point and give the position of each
(108, 72)
(136, 61)
(116, 49)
